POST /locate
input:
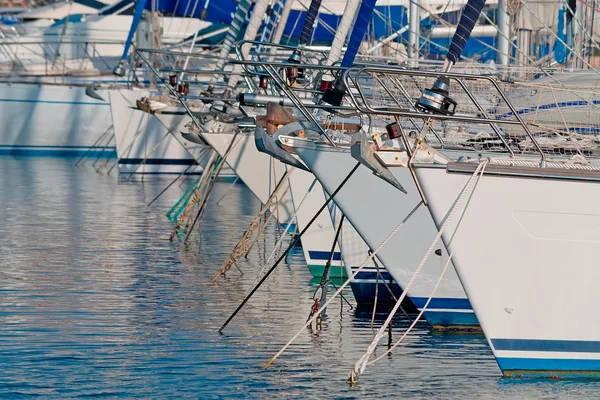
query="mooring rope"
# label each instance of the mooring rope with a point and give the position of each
(292, 244)
(321, 292)
(242, 246)
(318, 312)
(437, 284)
(283, 236)
(361, 364)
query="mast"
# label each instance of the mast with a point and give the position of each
(295, 57)
(437, 98)
(342, 31)
(469, 17)
(285, 13)
(137, 16)
(570, 14)
(236, 25)
(334, 96)
(260, 9)
(309, 21)
(413, 32)
(579, 36)
(503, 36)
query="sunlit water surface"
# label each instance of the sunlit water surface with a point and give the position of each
(95, 301)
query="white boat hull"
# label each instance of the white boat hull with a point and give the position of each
(51, 120)
(152, 144)
(526, 252)
(261, 173)
(375, 208)
(374, 279)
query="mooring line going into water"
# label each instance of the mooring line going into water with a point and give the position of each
(376, 295)
(169, 185)
(389, 350)
(292, 244)
(191, 198)
(237, 178)
(361, 364)
(262, 229)
(321, 292)
(388, 287)
(94, 146)
(143, 162)
(242, 245)
(350, 278)
(106, 160)
(207, 189)
(341, 295)
(287, 229)
(103, 150)
(114, 164)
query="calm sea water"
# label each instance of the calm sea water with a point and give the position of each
(95, 301)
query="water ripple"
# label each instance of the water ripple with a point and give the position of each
(95, 302)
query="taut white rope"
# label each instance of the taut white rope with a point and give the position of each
(287, 229)
(361, 364)
(410, 328)
(318, 312)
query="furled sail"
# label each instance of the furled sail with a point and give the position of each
(436, 99)
(465, 26)
(335, 95)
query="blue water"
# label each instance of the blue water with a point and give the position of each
(95, 301)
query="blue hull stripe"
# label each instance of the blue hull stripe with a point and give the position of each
(56, 151)
(570, 346)
(324, 255)
(157, 161)
(547, 364)
(578, 103)
(373, 276)
(381, 268)
(440, 302)
(79, 103)
(22, 146)
(166, 173)
(291, 229)
(364, 293)
(449, 318)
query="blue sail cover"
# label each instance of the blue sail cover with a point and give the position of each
(309, 21)
(384, 21)
(465, 26)
(137, 16)
(358, 32)
(221, 11)
(480, 48)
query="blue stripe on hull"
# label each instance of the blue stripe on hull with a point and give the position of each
(543, 107)
(324, 255)
(556, 366)
(445, 303)
(55, 151)
(157, 161)
(79, 103)
(372, 275)
(364, 293)
(291, 229)
(569, 346)
(449, 318)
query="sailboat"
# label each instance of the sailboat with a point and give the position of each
(45, 78)
(522, 229)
